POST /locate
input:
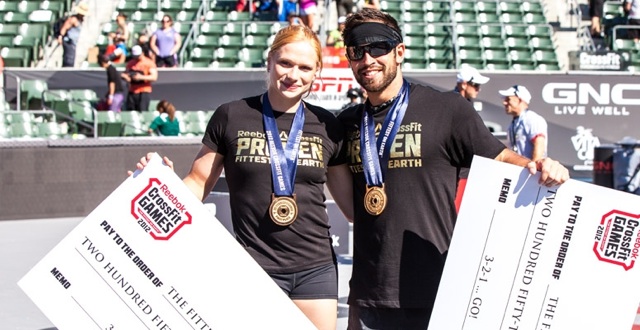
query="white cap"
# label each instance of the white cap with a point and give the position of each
(136, 50)
(341, 19)
(470, 74)
(519, 91)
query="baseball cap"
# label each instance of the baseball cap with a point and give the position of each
(519, 91)
(470, 74)
(136, 50)
(342, 19)
(353, 92)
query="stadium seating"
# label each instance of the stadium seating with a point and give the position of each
(492, 35)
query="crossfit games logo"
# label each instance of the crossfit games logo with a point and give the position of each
(617, 240)
(158, 211)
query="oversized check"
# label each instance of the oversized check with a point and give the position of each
(525, 256)
(151, 256)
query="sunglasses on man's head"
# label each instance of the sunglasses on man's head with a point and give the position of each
(374, 49)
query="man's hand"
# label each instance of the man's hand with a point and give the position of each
(551, 171)
(145, 160)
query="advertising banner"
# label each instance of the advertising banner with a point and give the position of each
(151, 256)
(526, 256)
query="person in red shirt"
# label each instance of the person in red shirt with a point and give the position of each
(140, 73)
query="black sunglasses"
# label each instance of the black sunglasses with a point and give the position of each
(375, 49)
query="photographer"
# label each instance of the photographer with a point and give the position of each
(139, 73)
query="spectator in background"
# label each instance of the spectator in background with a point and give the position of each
(632, 8)
(140, 73)
(335, 36)
(166, 123)
(595, 11)
(115, 93)
(344, 7)
(373, 4)
(468, 82)
(246, 5)
(308, 10)
(355, 97)
(165, 43)
(527, 132)
(143, 42)
(70, 33)
(122, 29)
(117, 50)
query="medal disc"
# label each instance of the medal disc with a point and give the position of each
(375, 200)
(283, 210)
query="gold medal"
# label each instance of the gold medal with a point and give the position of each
(375, 200)
(283, 210)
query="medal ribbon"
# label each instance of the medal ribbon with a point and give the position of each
(284, 163)
(373, 171)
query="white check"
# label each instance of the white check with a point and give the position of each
(151, 256)
(524, 256)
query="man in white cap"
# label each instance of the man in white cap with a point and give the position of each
(139, 73)
(468, 82)
(527, 132)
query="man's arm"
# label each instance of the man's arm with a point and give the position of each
(551, 171)
(539, 146)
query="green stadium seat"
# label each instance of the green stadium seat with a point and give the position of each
(28, 6)
(523, 67)
(10, 29)
(195, 116)
(195, 128)
(415, 56)
(541, 44)
(416, 6)
(472, 57)
(492, 43)
(207, 41)
(534, 7)
(147, 117)
(531, 18)
(6, 6)
(491, 30)
(4, 132)
(228, 55)
(409, 16)
(201, 55)
(438, 30)
(520, 57)
(511, 18)
(82, 111)
(487, 7)
(16, 17)
(56, 7)
(230, 41)
(497, 57)
(258, 28)
(510, 7)
(41, 16)
(31, 93)
(464, 7)
(439, 42)
(21, 130)
(210, 28)
(153, 105)
(15, 57)
(467, 30)
(541, 31)
(234, 29)
(488, 18)
(547, 67)
(182, 28)
(439, 55)
(144, 16)
(49, 130)
(394, 8)
(195, 64)
(15, 117)
(469, 42)
(222, 64)
(434, 17)
(497, 66)
(440, 66)
(519, 30)
(241, 16)
(255, 56)
(518, 43)
(109, 123)
(415, 42)
(58, 101)
(216, 16)
(256, 41)
(415, 29)
(438, 6)
(84, 95)
(624, 45)
(414, 65)
(548, 57)
(133, 124)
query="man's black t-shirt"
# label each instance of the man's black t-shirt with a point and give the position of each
(236, 131)
(399, 255)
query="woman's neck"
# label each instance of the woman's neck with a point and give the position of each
(282, 104)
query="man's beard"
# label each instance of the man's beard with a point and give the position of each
(388, 75)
